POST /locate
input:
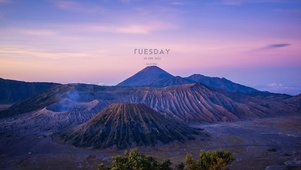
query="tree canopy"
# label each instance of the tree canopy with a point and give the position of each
(132, 160)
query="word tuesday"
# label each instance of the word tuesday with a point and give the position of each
(151, 51)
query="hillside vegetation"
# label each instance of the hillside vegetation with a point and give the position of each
(132, 160)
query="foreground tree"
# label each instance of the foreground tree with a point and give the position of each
(215, 160)
(132, 160)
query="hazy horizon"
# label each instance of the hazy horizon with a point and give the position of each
(253, 43)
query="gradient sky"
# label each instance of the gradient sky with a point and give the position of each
(252, 42)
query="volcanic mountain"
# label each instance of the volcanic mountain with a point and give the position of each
(153, 76)
(194, 102)
(146, 77)
(124, 125)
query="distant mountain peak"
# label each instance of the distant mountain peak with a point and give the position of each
(146, 76)
(155, 70)
(152, 67)
(154, 76)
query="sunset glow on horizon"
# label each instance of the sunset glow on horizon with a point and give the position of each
(254, 43)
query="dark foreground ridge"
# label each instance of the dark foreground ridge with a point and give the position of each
(12, 91)
(124, 125)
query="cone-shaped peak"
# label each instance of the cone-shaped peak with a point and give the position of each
(124, 125)
(146, 76)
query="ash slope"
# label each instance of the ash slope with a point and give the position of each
(124, 125)
(199, 103)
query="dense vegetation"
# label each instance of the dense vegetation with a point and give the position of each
(209, 160)
(132, 160)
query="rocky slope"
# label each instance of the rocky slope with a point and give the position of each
(199, 103)
(177, 80)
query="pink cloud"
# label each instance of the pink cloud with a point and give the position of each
(37, 32)
(129, 28)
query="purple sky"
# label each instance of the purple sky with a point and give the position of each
(252, 42)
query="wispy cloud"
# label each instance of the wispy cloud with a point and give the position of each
(233, 2)
(129, 28)
(135, 29)
(36, 32)
(6, 1)
(279, 88)
(78, 6)
(2, 14)
(38, 54)
(270, 47)
(240, 2)
(74, 31)
(273, 46)
(274, 85)
(126, 1)
(177, 3)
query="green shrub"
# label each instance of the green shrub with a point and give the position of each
(180, 166)
(132, 160)
(214, 160)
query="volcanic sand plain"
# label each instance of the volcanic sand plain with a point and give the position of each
(271, 143)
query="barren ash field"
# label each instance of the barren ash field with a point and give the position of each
(256, 144)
